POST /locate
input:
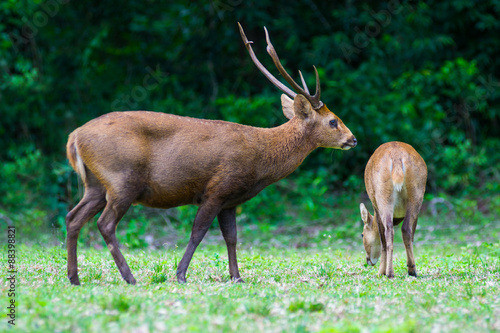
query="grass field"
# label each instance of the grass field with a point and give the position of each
(301, 280)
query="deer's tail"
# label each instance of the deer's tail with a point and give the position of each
(74, 157)
(398, 174)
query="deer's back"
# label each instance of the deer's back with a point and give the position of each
(174, 160)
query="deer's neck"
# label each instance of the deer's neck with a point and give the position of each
(285, 147)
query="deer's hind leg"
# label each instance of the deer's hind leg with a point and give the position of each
(107, 223)
(408, 231)
(93, 202)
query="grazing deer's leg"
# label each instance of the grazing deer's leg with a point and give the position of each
(389, 238)
(107, 223)
(204, 217)
(227, 223)
(383, 261)
(407, 230)
(92, 202)
(383, 255)
(414, 226)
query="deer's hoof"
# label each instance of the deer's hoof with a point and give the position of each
(237, 280)
(74, 280)
(131, 280)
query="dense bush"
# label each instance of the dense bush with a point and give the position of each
(423, 73)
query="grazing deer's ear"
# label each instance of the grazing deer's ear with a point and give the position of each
(287, 104)
(302, 107)
(364, 213)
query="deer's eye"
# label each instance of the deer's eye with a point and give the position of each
(361, 235)
(334, 123)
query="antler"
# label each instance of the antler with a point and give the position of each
(314, 100)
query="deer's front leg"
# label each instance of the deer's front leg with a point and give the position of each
(383, 261)
(383, 255)
(227, 223)
(389, 238)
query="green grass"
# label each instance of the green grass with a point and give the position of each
(296, 281)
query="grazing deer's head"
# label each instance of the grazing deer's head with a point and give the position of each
(371, 238)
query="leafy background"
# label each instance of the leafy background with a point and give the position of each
(426, 73)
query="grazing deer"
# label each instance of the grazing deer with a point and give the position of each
(395, 179)
(162, 160)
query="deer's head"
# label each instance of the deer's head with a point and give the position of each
(327, 128)
(371, 237)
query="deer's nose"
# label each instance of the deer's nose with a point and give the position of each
(354, 141)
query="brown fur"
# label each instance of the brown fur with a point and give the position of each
(162, 160)
(395, 178)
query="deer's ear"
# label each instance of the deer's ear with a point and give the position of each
(364, 213)
(287, 104)
(302, 107)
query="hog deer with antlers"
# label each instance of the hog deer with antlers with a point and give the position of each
(162, 160)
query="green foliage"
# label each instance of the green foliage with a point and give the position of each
(250, 110)
(454, 96)
(33, 191)
(426, 73)
(133, 235)
(309, 200)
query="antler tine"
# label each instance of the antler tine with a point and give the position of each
(261, 67)
(314, 100)
(317, 94)
(304, 83)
